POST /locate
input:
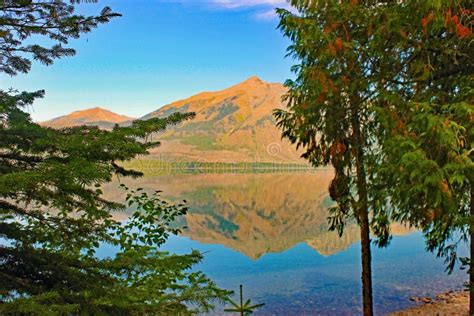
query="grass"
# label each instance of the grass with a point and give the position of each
(202, 143)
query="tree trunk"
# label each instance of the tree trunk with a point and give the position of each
(366, 264)
(471, 265)
(364, 240)
(241, 301)
(363, 216)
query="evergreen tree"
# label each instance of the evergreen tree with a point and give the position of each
(53, 217)
(424, 69)
(21, 20)
(330, 113)
(387, 86)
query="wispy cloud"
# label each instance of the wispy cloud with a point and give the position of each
(265, 9)
(234, 4)
(266, 15)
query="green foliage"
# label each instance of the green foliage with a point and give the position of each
(407, 70)
(331, 113)
(242, 308)
(388, 86)
(52, 216)
(21, 20)
(425, 104)
(53, 220)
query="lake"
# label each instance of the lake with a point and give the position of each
(269, 232)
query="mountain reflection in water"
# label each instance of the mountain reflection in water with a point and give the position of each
(269, 231)
(254, 213)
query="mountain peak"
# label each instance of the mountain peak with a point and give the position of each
(254, 80)
(93, 116)
(96, 109)
(252, 85)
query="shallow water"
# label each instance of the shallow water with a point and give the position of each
(269, 233)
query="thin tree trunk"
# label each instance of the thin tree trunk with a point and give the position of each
(366, 264)
(363, 217)
(471, 265)
(241, 300)
(366, 255)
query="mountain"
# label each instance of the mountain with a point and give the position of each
(91, 117)
(232, 125)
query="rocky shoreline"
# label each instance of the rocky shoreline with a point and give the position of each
(449, 303)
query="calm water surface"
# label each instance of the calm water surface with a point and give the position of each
(269, 233)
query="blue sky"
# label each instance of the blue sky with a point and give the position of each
(160, 51)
